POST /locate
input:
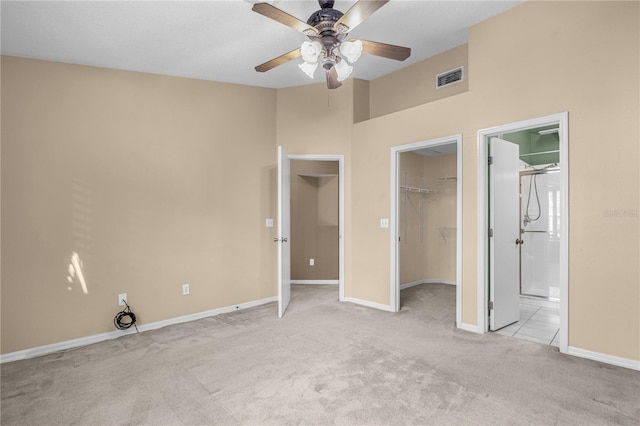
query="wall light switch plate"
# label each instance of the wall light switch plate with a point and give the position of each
(312, 262)
(269, 222)
(185, 289)
(384, 223)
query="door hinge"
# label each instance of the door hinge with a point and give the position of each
(490, 232)
(490, 160)
(491, 304)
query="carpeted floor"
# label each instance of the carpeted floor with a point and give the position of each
(325, 362)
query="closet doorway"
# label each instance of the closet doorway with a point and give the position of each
(323, 178)
(426, 217)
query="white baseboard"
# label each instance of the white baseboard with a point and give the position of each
(368, 304)
(468, 327)
(84, 341)
(608, 359)
(429, 281)
(411, 284)
(336, 282)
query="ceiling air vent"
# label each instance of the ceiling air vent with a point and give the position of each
(449, 77)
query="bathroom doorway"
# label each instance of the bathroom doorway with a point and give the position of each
(523, 230)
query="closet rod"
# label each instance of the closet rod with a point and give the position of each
(414, 189)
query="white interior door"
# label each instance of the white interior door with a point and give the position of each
(504, 219)
(284, 226)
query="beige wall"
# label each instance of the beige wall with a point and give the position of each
(440, 211)
(154, 181)
(314, 220)
(416, 84)
(536, 59)
(412, 247)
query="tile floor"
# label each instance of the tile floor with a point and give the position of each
(539, 322)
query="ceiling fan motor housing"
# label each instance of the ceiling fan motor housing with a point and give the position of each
(324, 19)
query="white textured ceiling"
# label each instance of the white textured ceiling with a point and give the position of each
(222, 40)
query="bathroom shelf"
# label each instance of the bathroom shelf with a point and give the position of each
(444, 230)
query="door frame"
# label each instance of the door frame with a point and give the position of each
(394, 246)
(340, 159)
(562, 120)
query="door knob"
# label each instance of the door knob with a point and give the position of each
(519, 241)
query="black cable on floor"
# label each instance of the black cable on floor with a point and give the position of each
(125, 319)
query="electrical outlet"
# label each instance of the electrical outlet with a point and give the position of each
(122, 299)
(185, 289)
(384, 223)
(312, 262)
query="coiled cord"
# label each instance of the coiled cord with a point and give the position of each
(125, 319)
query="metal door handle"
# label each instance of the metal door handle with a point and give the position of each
(280, 240)
(519, 241)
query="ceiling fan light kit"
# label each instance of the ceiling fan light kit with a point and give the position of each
(326, 29)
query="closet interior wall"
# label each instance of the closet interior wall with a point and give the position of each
(427, 219)
(314, 220)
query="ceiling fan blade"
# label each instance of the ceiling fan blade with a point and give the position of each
(332, 78)
(389, 51)
(278, 15)
(279, 60)
(358, 13)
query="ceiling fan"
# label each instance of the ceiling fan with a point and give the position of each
(327, 30)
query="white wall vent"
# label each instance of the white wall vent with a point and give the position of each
(449, 77)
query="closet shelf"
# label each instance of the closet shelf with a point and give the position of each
(444, 230)
(419, 190)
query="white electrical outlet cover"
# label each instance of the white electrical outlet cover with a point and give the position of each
(121, 297)
(384, 223)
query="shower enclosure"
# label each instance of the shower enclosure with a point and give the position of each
(540, 231)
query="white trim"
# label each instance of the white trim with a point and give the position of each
(429, 281)
(561, 119)
(313, 282)
(88, 340)
(394, 273)
(469, 327)
(368, 304)
(608, 359)
(411, 284)
(341, 179)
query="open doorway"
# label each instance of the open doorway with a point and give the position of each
(426, 217)
(327, 168)
(523, 230)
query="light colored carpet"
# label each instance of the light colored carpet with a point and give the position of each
(325, 362)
